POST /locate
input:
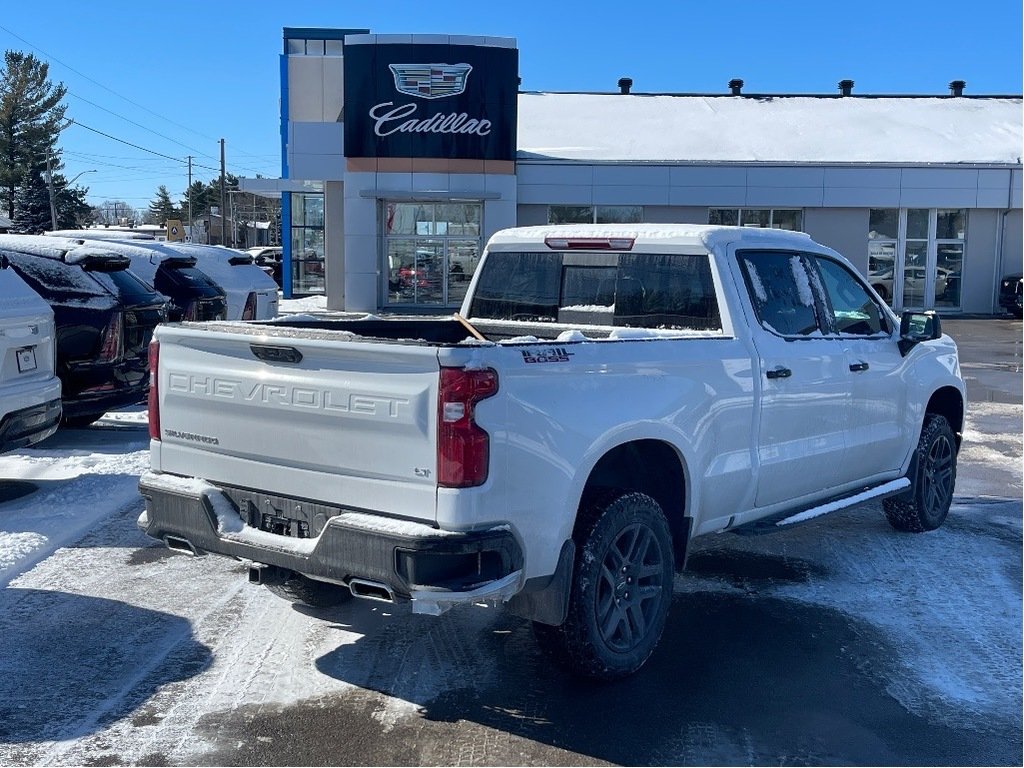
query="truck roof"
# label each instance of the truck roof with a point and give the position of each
(692, 235)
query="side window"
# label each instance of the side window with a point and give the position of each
(779, 285)
(852, 310)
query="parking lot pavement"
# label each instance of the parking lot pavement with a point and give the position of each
(836, 642)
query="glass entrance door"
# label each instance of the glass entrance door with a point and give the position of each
(915, 257)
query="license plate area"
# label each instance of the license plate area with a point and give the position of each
(284, 526)
(26, 359)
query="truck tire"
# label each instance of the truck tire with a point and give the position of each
(316, 594)
(621, 589)
(932, 475)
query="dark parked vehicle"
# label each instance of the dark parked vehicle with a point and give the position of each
(192, 293)
(105, 317)
(1011, 293)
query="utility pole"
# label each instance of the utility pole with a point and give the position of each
(223, 212)
(49, 184)
(190, 198)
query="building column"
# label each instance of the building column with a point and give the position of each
(334, 243)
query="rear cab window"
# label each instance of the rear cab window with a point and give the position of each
(672, 292)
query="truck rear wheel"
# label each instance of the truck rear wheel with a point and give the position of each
(933, 477)
(621, 590)
(316, 594)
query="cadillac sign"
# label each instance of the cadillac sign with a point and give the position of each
(430, 101)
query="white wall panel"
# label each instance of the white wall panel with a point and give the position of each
(632, 175)
(861, 197)
(305, 88)
(556, 194)
(632, 195)
(529, 173)
(707, 176)
(784, 197)
(939, 198)
(776, 177)
(714, 197)
(939, 178)
(879, 178)
(361, 216)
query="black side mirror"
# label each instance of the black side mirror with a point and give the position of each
(4, 262)
(916, 327)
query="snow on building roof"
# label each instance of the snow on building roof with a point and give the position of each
(784, 129)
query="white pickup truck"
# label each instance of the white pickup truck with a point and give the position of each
(606, 394)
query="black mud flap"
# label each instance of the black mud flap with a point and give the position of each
(546, 599)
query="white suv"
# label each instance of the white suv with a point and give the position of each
(29, 388)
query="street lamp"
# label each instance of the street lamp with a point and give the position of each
(77, 177)
(53, 196)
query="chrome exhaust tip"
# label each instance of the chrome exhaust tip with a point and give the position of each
(178, 544)
(371, 590)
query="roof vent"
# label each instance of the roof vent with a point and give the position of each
(845, 87)
(625, 83)
(736, 85)
(956, 87)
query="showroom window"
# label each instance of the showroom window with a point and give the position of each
(307, 243)
(916, 255)
(431, 251)
(768, 218)
(595, 214)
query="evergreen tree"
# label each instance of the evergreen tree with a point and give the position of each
(162, 208)
(73, 212)
(197, 193)
(31, 117)
(32, 204)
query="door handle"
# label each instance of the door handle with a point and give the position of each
(856, 367)
(779, 373)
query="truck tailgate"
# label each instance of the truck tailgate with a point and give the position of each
(351, 423)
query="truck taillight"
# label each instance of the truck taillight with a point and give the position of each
(249, 313)
(462, 446)
(112, 339)
(154, 393)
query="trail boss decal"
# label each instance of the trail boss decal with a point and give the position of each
(552, 355)
(430, 101)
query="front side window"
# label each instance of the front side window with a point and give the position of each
(631, 290)
(851, 310)
(779, 284)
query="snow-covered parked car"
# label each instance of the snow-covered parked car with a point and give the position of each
(29, 388)
(191, 294)
(251, 293)
(607, 394)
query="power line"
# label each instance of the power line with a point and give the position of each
(139, 125)
(133, 103)
(136, 146)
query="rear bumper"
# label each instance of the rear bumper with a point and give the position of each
(434, 568)
(29, 425)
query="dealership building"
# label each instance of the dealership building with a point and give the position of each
(402, 154)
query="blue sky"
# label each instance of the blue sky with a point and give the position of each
(174, 78)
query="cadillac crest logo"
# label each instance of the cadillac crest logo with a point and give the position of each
(430, 81)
